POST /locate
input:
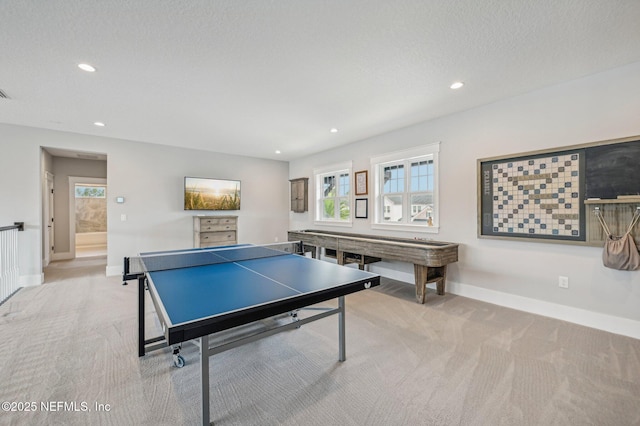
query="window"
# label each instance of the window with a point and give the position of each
(89, 207)
(90, 191)
(406, 189)
(333, 196)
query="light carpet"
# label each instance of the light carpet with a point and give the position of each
(71, 345)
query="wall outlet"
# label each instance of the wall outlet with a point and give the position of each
(563, 282)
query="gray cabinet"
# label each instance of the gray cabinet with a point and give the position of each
(299, 195)
(209, 231)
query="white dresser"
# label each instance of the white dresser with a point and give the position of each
(211, 231)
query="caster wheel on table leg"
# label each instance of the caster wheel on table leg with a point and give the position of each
(178, 361)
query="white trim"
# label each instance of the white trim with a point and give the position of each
(30, 280)
(406, 227)
(317, 188)
(598, 321)
(344, 224)
(406, 154)
(609, 323)
(67, 255)
(91, 239)
(112, 271)
(333, 167)
(379, 161)
(47, 222)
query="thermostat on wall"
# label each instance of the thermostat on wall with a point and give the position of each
(120, 200)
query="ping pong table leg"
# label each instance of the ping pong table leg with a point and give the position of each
(204, 372)
(342, 356)
(141, 340)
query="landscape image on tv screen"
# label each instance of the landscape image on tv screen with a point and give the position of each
(211, 194)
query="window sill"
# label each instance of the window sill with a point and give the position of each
(333, 223)
(408, 228)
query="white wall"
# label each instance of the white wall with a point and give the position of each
(151, 178)
(523, 275)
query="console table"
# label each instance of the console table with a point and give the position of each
(429, 258)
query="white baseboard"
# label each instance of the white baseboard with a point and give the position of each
(62, 256)
(30, 280)
(114, 270)
(91, 239)
(609, 323)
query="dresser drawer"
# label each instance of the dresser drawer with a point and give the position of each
(214, 221)
(217, 238)
(217, 227)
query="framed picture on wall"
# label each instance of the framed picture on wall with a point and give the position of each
(362, 208)
(362, 183)
(538, 196)
(543, 195)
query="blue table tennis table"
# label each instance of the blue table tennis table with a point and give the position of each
(200, 292)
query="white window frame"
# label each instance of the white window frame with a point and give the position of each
(318, 180)
(426, 152)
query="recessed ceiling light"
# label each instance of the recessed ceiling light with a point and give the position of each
(99, 124)
(334, 130)
(457, 85)
(87, 67)
(277, 151)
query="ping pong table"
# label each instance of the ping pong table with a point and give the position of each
(198, 293)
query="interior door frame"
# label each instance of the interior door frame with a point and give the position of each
(48, 203)
(73, 180)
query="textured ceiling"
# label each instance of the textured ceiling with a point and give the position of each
(253, 76)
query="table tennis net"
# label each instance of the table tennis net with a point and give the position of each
(163, 261)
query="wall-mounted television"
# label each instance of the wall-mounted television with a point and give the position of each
(211, 194)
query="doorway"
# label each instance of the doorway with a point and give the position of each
(88, 216)
(63, 169)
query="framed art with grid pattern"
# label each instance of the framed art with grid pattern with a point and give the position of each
(537, 196)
